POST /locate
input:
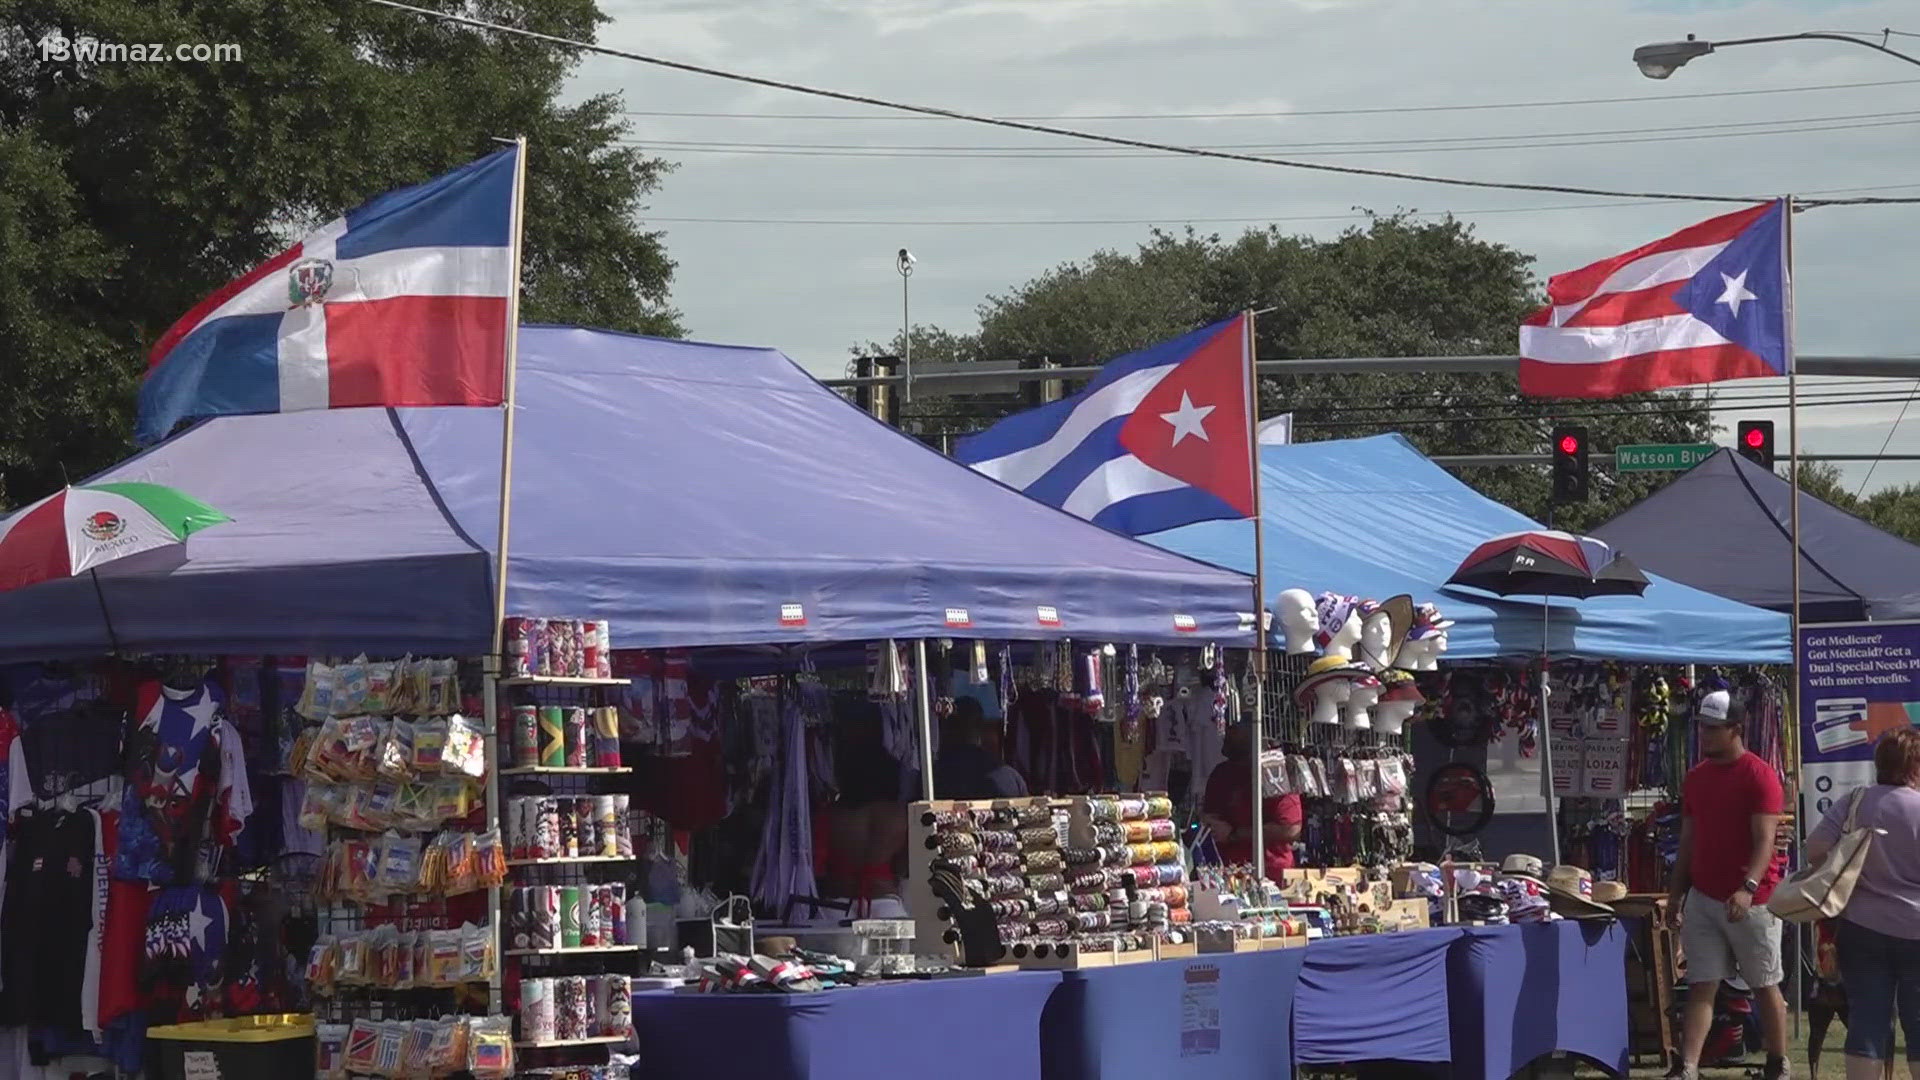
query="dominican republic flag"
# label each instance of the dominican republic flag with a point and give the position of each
(401, 302)
(1710, 302)
(1160, 439)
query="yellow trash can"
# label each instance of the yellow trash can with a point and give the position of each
(242, 1048)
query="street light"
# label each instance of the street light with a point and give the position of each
(1661, 59)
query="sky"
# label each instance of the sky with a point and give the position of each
(785, 228)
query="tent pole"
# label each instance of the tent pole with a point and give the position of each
(924, 701)
(1546, 718)
(490, 692)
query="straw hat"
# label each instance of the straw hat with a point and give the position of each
(1323, 669)
(1571, 891)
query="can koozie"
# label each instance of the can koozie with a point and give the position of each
(591, 912)
(570, 1008)
(543, 923)
(556, 631)
(537, 1018)
(588, 825)
(577, 737)
(539, 643)
(618, 1018)
(605, 670)
(577, 648)
(617, 911)
(606, 737)
(590, 649)
(526, 736)
(637, 920)
(516, 644)
(553, 736)
(569, 916)
(606, 821)
(569, 828)
(623, 826)
(520, 919)
(546, 836)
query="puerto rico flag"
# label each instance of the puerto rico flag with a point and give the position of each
(1160, 439)
(401, 302)
(1710, 302)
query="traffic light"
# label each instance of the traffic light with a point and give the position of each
(1756, 442)
(1569, 464)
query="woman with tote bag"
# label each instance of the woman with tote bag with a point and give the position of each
(1878, 934)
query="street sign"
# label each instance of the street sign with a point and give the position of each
(1658, 457)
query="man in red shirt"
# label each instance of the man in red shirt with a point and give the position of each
(1729, 805)
(1227, 808)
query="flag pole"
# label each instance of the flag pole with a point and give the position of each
(1793, 487)
(491, 681)
(1259, 607)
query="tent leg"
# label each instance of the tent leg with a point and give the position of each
(924, 702)
(1546, 768)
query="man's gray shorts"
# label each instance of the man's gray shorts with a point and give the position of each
(1718, 949)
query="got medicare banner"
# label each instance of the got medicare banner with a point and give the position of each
(1857, 682)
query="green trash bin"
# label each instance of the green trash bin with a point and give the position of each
(243, 1048)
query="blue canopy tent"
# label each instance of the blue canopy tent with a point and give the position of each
(687, 493)
(1374, 517)
(1726, 527)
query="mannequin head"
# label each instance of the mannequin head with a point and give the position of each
(1328, 684)
(1377, 647)
(1358, 714)
(1327, 699)
(1421, 655)
(1298, 620)
(1390, 717)
(1338, 620)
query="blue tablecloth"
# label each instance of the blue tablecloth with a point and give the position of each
(1216, 1017)
(1522, 991)
(940, 1029)
(1375, 998)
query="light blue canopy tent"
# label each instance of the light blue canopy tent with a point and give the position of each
(1373, 517)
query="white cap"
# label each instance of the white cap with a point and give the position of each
(1713, 708)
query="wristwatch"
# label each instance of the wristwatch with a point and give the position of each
(1751, 886)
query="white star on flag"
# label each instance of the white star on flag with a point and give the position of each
(1736, 292)
(1187, 420)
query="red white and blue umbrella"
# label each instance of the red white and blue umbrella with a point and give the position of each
(1549, 564)
(82, 528)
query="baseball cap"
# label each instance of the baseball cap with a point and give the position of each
(1718, 709)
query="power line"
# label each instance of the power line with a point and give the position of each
(1889, 440)
(1086, 136)
(1287, 113)
(1762, 127)
(850, 150)
(1179, 219)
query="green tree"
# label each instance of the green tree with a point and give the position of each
(129, 191)
(1398, 286)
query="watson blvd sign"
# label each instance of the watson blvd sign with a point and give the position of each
(1658, 457)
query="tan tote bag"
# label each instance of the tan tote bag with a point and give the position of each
(1822, 892)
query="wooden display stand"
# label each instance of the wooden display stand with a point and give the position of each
(929, 930)
(1652, 974)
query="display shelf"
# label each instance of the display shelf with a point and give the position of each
(571, 860)
(549, 1044)
(581, 950)
(561, 680)
(565, 770)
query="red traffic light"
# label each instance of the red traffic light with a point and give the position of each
(1569, 444)
(1756, 438)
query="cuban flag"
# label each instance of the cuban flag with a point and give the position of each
(401, 302)
(1160, 439)
(1710, 302)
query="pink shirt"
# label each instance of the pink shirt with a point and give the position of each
(1886, 899)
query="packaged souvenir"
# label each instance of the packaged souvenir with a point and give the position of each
(399, 870)
(476, 954)
(490, 1048)
(316, 697)
(321, 960)
(386, 1053)
(394, 758)
(429, 745)
(318, 805)
(418, 1047)
(466, 749)
(350, 687)
(330, 1051)
(378, 700)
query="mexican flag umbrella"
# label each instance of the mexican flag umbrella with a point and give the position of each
(80, 529)
(1550, 564)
